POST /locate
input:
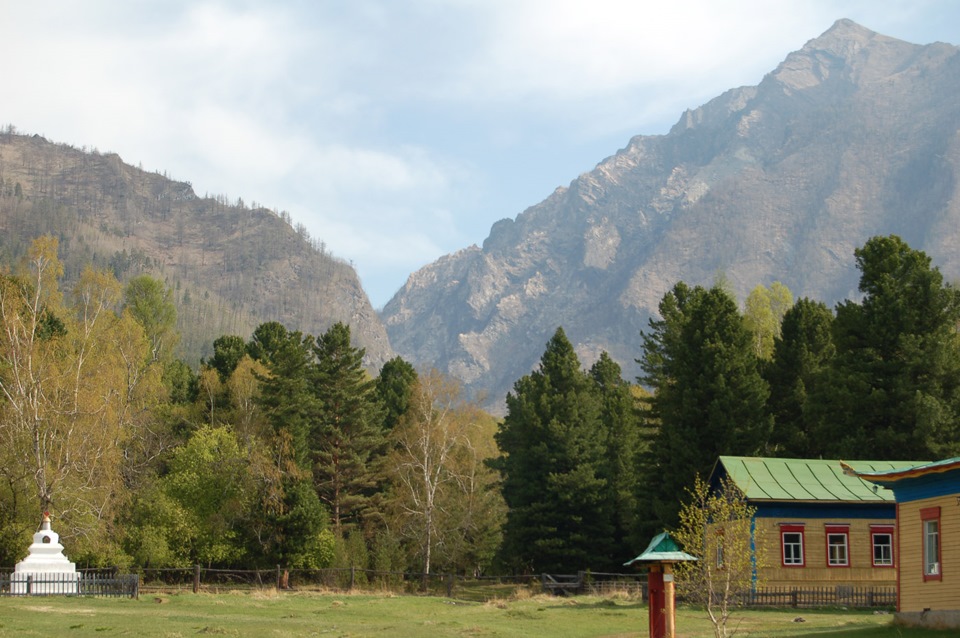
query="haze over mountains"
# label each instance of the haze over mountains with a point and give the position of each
(854, 135)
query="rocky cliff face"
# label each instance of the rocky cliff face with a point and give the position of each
(853, 136)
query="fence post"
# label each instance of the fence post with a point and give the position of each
(793, 597)
(196, 579)
(278, 577)
(353, 576)
(450, 580)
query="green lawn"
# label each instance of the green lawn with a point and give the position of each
(310, 614)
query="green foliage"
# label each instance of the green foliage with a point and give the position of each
(709, 396)
(180, 381)
(285, 393)
(303, 539)
(717, 527)
(209, 481)
(894, 389)
(394, 385)
(626, 443)
(802, 355)
(440, 496)
(227, 352)
(763, 312)
(150, 302)
(345, 432)
(268, 340)
(553, 464)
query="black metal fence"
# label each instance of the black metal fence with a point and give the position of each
(81, 583)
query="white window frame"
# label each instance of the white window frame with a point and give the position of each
(797, 557)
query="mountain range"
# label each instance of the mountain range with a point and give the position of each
(854, 135)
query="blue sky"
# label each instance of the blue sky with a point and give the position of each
(396, 131)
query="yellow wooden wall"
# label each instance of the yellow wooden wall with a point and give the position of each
(861, 573)
(943, 594)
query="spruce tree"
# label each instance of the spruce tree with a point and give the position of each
(801, 355)
(394, 389)
(709, 396)
(894, 391)
(625, 443)
(553, 453)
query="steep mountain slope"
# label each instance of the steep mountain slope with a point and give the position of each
(854, 135)
(232, 267)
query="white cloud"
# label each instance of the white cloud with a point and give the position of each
(389, 128)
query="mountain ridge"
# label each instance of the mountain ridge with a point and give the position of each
(851, 136)
(230, 266)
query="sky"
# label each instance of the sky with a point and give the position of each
(396, 131)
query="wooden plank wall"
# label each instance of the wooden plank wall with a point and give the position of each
(815, 572)
(943, 594)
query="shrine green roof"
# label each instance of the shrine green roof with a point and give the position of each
(662, 549)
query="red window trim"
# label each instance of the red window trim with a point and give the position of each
(787, 529)
(837, 529)
(931, 514)
(883, 529)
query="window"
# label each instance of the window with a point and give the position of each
(881, 538)
(837, 554)
(718, 540)
(791, 538)
(932, 569)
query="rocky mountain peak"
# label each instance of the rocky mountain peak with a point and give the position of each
(852, 136)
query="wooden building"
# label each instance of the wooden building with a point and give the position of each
(821, 528)
(928, 543)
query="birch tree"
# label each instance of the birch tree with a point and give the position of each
(717, 526)
(67, 393)
(440, 485)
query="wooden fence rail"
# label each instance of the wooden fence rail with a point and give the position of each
(842, 596)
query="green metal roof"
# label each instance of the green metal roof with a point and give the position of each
(770, 479)
(662, 549)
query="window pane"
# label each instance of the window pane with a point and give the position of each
(837, 549)
(882, 549)
(792, 548)
(931, 547)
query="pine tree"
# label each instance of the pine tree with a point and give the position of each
(345, 435)
(285, 392)
(553, 455)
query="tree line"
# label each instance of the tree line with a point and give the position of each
(588, 479)
(281, 449)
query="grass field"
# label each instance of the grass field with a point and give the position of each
(343, 615)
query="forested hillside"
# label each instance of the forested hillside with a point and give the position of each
(231, 264)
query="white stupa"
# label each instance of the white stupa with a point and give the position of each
(45, 570)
